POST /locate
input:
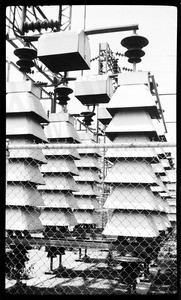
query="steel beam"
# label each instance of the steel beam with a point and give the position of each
(111, 29)
(67, 243)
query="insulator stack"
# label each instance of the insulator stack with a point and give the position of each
(32, 26)
(62, 93)
(88, 179)
(59, 173)
(134, 44)
(137, 211)
(24, 115)
(115, 67)
(93, 89)
(26, 56)
(88, 115)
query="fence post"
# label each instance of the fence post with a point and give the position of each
(7, 158)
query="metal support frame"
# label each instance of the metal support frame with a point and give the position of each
(111, 29)
(159, 103)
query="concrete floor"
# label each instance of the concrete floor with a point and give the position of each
(93, 277)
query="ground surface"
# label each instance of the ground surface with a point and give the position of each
(91, 277)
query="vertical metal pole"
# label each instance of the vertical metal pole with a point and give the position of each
(51, 263)
(134, 67)
(8, 71)
(53, 104)
(7, 158)
(82, 72)
(99, 69)
(60, 16)
(159, 103)
(80, 253)
(70, 16)
(97, 125)
(134, 64)
(23, 19)
(84, 16)
(60, 260)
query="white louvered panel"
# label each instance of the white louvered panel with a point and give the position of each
(25, 102)
(86, 217)
(60, 165)
(72, 153)
(35, 154)
(172, 209)
(133, 224)
(139, 198)
(131, 172)
(94, 152)
(171, 186)
(159, 221)
(104, 116)
(24, 125)
(87, 189)
(165, 164)
(58, 199)
(132, 96)
(171, 201)
(88, 162)
(130, 121)
(158, 169)
(87, 176)
(22, 219)
(172, 217)
(84, 203)
(172, 175)
(23, 86)
(61, 130)
(56, 217)
(23, 195)
(23, 171)
(166, 220)
(59, 182)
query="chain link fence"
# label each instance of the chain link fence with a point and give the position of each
(91, 219)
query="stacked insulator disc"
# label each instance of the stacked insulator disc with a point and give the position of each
(87, 114)
(23, 127)
(62, 93)
(26, 56)
(134, 44)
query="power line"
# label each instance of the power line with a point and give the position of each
(167, 94)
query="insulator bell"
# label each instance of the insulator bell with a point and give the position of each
(87, 117)
(26, 56)
(134, 44)
(115, 66)
(62, 93)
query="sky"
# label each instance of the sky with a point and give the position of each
(157, 23)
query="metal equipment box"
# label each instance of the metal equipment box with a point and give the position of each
(93, 89)
(64, 51)
(23, 86)
(133, 78)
